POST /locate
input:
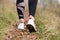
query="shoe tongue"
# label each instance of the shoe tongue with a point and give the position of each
(31, 20)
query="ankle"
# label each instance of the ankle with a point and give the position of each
(31, 17)
(21, 20)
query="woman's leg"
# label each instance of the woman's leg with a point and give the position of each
(32, 7)
(20, 9)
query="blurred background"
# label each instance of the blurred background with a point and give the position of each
(47, 18)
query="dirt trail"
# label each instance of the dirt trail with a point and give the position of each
(16, 34)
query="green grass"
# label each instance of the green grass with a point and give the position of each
(47, 23)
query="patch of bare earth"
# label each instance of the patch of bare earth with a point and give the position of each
(16, 34)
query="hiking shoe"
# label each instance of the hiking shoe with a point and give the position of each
(31, 26)
(21, 26)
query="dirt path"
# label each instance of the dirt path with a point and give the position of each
(16, 34)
